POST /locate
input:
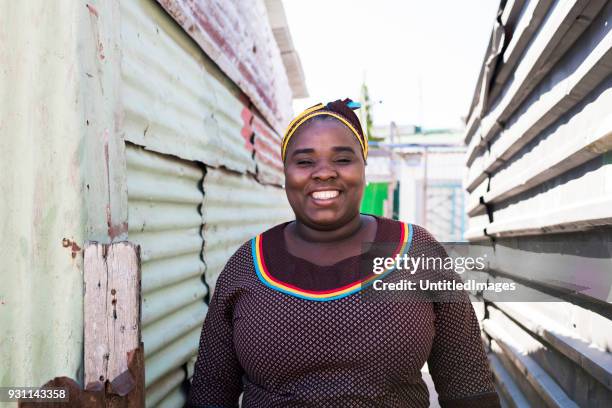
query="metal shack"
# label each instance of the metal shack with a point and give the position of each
(152, 122)
(539, 177)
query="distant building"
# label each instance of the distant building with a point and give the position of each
(415, 175)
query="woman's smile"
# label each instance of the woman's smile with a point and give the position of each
(325, 198)
(325, 195)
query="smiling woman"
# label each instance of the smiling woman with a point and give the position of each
(288, 325)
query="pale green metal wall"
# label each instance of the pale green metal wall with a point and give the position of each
(61, 178)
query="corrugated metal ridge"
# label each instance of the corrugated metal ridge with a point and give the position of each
(525, 263)
(488, 70)
(163, 302)
(172, 357)
(584, 133)
(544, 385)
(473, 114)
(164, 387)
(553, 362)
(475, 202)
(557, 34)
(164, 202)
(476, 227)
(505, 383)
(596, 362)
(475, 174)
(552, 104)
(511, 12)
(267, 153)
(582, 200)
(176, 398)
(163, 332)
(524, 390)
(530, 20)
(567, 218)
(255, 64)
(587, 135)
(176, 100)
(236, 208)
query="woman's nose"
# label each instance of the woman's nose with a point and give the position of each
(324, 172)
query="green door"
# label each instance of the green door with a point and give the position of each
(374, 198)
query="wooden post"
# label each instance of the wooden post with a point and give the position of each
(114, 359)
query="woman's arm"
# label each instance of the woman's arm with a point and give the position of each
(457, 362)
(217, 375)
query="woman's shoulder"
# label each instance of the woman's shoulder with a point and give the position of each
(242, 258)
(389, 225)
(421, 234)
(419, 237)
(272, 230)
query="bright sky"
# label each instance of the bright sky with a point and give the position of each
(400, 46)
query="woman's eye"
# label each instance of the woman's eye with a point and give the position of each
(343, 160)
(304, 162)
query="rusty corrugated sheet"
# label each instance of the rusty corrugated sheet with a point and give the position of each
(237, 36)
(540, 166)
(236, 208)
(267, 153)
(176, 101)
(165, 198)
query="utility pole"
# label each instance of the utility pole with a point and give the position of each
(424, 201)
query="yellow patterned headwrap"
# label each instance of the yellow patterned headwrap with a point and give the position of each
(341, 110)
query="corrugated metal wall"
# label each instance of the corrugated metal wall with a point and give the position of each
(164, 203)
(176, 101)
(77, 85)
(61, 179)
(539, 176)
(197, 159)
(235, 209)
(238, 36)
(41, 283)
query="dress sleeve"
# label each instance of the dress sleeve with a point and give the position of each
(217, 374)
(457, 362)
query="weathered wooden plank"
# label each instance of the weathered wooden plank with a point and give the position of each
(114, 359)
(96, 334)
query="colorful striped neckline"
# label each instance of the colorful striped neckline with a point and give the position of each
(323, 295)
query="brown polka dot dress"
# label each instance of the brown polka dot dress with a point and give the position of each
(284, 332)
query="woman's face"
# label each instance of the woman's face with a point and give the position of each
(324, 175)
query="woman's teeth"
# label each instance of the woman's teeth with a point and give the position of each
(325, 195)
